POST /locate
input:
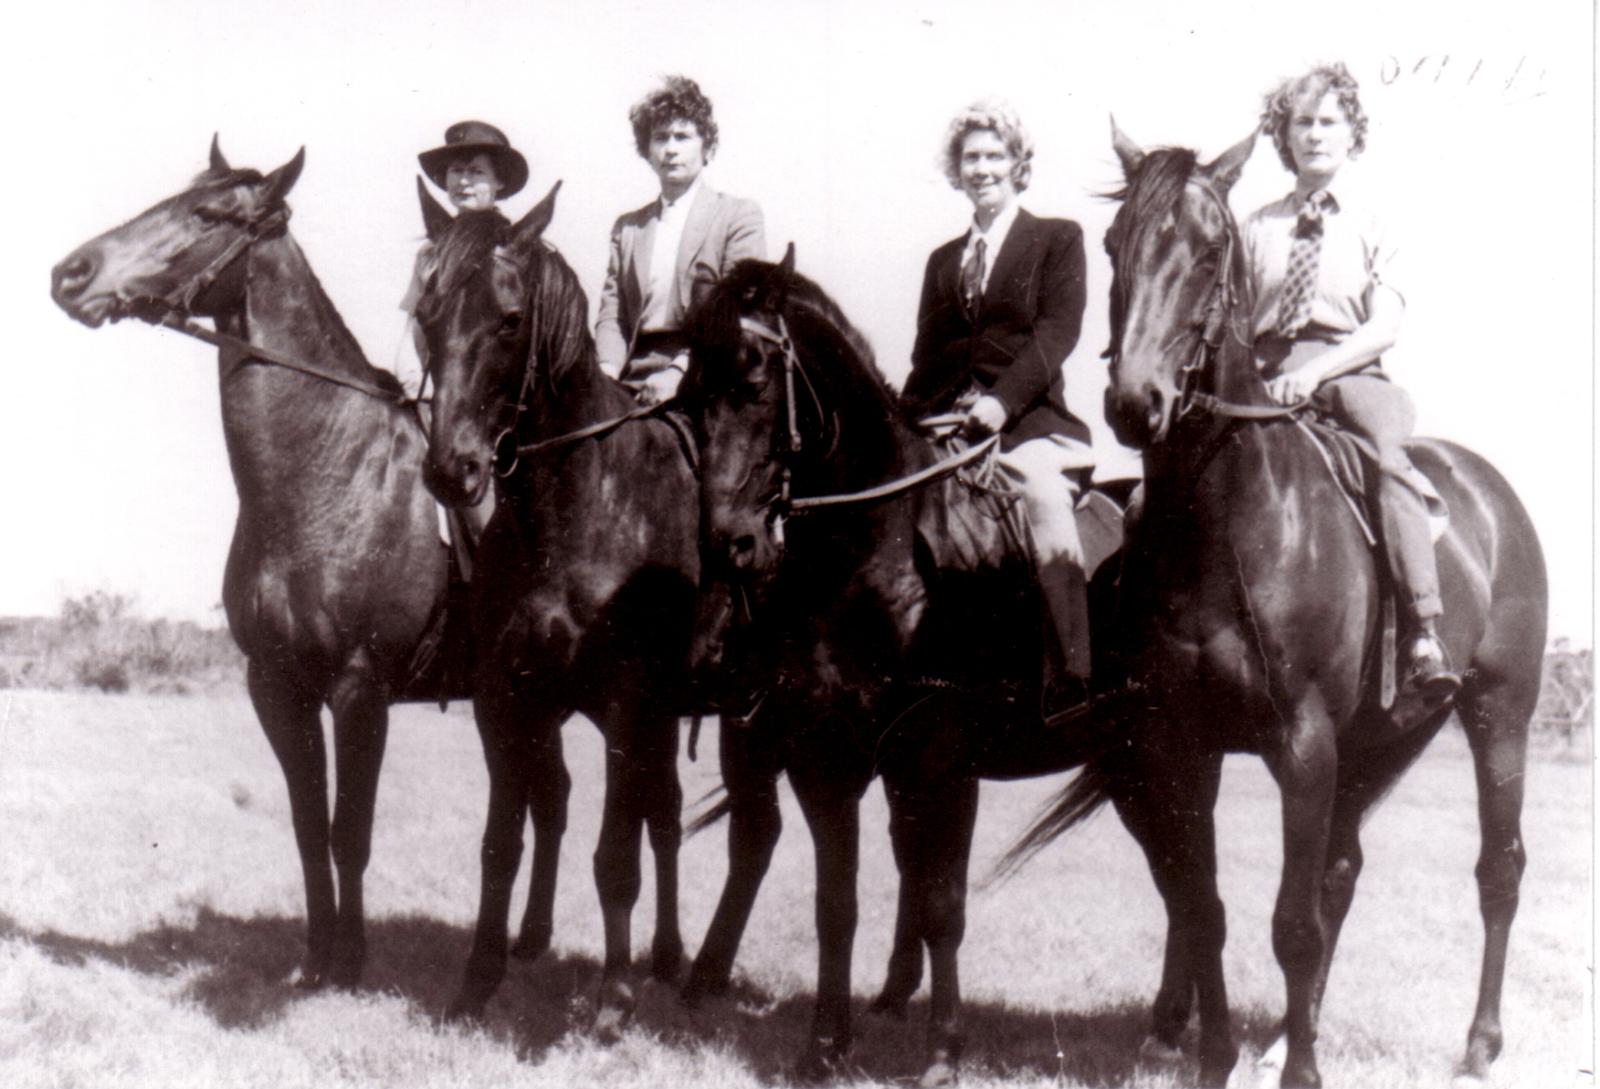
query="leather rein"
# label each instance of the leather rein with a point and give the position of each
(1213, 327)
(175, 308)
(793, 375)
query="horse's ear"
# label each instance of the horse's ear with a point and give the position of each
(219, 165)
(1131, 154)
(435, 220)
(281, 180)
(531, 227)
(1225, 170)
(787, 264)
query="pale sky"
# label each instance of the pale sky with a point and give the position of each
(831, 116)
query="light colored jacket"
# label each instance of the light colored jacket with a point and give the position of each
(720, 232)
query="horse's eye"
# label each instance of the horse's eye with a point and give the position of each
(510, 322)
(208, 217)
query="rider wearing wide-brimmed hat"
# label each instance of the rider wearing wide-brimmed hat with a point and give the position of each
(477, 167)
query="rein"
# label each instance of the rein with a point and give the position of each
(507, 457)
(176, 305)
(1219, 305)
(786, 504)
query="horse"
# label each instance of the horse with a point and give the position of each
(897, 635)
(587, 571)
(337, 586)
(1252, 611)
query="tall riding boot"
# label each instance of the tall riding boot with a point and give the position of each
(1427, 682)
(1065, 595)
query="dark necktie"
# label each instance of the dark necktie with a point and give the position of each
(1300, 281)
(972, 280)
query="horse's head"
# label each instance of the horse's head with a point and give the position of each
(182, 255)
(776, 372)
(1178, 283)
(497, 307)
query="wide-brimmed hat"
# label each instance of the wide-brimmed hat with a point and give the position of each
(465, 139)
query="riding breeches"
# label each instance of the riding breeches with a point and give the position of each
(1378, 410)
(1040, 469)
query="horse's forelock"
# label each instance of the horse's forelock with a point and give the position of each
(467, 246)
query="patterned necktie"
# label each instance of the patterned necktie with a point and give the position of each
(972, 280)
(1300, 282)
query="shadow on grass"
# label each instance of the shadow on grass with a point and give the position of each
(242, 966)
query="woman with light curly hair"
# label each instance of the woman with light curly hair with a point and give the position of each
(1002, 305)
(1328, 305)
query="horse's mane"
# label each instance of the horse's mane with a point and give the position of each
(815, 321)
(555, 304)
(1152, 193)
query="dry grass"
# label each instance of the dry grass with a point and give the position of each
(150, 908)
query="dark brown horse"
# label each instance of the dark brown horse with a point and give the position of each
(336, 583)
(1252, 620)
(586, 584)
(897, 637)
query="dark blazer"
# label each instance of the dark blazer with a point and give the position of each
(1026, 327)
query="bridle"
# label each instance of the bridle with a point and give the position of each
(1212, 328)
(174, 309)
(795, 375)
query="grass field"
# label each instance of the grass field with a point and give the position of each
(150, 909)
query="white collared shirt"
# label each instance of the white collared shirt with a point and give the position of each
(993, 239)
(1357, 254)
(661, 309)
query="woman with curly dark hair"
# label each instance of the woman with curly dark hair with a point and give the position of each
(1328, 305)
(668, 254)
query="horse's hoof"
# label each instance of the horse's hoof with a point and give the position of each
(616, 1010)
(304, 979)
(700, 987)
(531, 944)
(940, 1074)
(822, 1061)
(888, 1005)
(608, 1025)
(666, 962)
(1157, 1051)
(1272, 1059)
(465, 1007)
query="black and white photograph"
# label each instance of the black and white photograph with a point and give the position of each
(749, 544)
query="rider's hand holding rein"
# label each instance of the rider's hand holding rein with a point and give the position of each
(1366, 344)
(986, 417)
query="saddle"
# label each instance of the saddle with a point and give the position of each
(979, 522)
(1352, 462)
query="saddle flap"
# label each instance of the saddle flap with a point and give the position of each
(1099, 529)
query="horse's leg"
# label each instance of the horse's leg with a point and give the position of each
(511, 730)
(293, 724)
(750, 774)
(1168, 809)
(549, 786)
(905, 959)
(360, 731)
(1497, 728)
(616, 863)
(948, 813)
(664, 824)
(830, 797)
(1169, 1013)
(1306, 766)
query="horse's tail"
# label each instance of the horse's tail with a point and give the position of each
(1079, 800)
(719, 809)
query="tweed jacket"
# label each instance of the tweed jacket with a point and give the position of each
(721, 230)
(1026, 326)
